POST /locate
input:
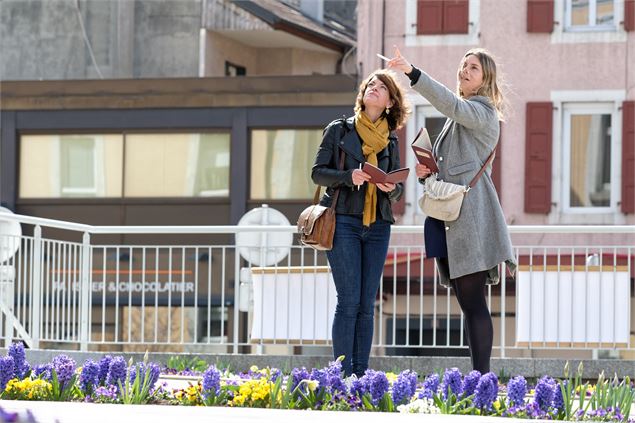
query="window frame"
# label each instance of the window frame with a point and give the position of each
(92, 194)
(600, 100)
(250, 131)
(593, 4)
(412, 39)
(98, 170)
(569, 110)
(562, 35)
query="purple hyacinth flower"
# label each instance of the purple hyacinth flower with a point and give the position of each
(16, 350)
(275, 374)
(452, 382)
(321, 376)
(404, 387)
(141, 370)
(516, 391)
(299, 374)
(470, 381)
(378, 384)
(558, 400)
(104, 366)
(430, 386)
(89, 377)
(334, 377)
(64, 367)
(7, 371)
(43, 371)
(486, 391)
(544, 393)
(116, 372)
(358, 387)
(211, 381)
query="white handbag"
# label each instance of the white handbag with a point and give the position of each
(443, 200)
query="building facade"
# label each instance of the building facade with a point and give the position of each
(567, 144)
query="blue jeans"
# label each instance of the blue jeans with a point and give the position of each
(357, 261)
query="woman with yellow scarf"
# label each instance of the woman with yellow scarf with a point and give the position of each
(363, 209)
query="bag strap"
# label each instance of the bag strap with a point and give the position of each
(480, 172)
(316, 197)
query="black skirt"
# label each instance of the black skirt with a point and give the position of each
(434, 236)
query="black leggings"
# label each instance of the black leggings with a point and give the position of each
(470, 293)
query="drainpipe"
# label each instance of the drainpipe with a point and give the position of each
(202, 38)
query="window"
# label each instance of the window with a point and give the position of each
(281, 161)
(177, 165)
(594, 15)
(95, 166)
(589, 182)
(441, 22)
(433, 121)
(232, 69)
(63, 166)
(77, 167)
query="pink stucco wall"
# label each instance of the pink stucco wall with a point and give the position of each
(534, 66)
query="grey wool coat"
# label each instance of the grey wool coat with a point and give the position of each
(478, 240)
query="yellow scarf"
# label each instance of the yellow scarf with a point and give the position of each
(375, 138)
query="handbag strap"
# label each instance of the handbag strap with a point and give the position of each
(316, 197)
(480, 172)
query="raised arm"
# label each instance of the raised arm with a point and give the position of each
(475, 112)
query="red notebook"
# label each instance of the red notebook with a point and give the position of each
(423, 150)
(378, 176)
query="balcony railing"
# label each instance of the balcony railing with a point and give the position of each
(69, 285)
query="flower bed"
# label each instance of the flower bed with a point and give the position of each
(112, 380)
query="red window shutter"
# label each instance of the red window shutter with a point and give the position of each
(429, 17)
(540, 16)
(399, 208)
(496, 166)
(629, 15)
(455, 16)
(538, 140)
(628, 157)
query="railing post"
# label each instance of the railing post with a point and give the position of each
(36, 287)
(236, 298)
(85, 287)
(503, 308)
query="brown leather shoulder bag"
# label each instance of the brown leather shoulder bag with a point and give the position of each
(316, 224)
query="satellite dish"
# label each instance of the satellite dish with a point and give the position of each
(262, 248)
(10, 233)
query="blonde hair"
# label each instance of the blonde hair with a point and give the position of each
(491, 87)
(400, 109)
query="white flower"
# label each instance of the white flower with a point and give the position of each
(424, 405)
(312, 385)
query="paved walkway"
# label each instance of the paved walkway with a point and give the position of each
(69, 412)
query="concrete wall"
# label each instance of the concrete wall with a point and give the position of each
(267, 61)
(44, 40)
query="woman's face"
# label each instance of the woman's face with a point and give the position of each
(471, 76)
(376, 94)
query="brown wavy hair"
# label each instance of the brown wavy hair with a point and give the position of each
(491, 83)
(400, 109)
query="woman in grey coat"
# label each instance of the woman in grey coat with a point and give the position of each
(467, 251)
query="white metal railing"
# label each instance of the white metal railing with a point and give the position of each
(66, 287)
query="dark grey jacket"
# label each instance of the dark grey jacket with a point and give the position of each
(341, 135)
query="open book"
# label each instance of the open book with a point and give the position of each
(423, 150)
(378, 176)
